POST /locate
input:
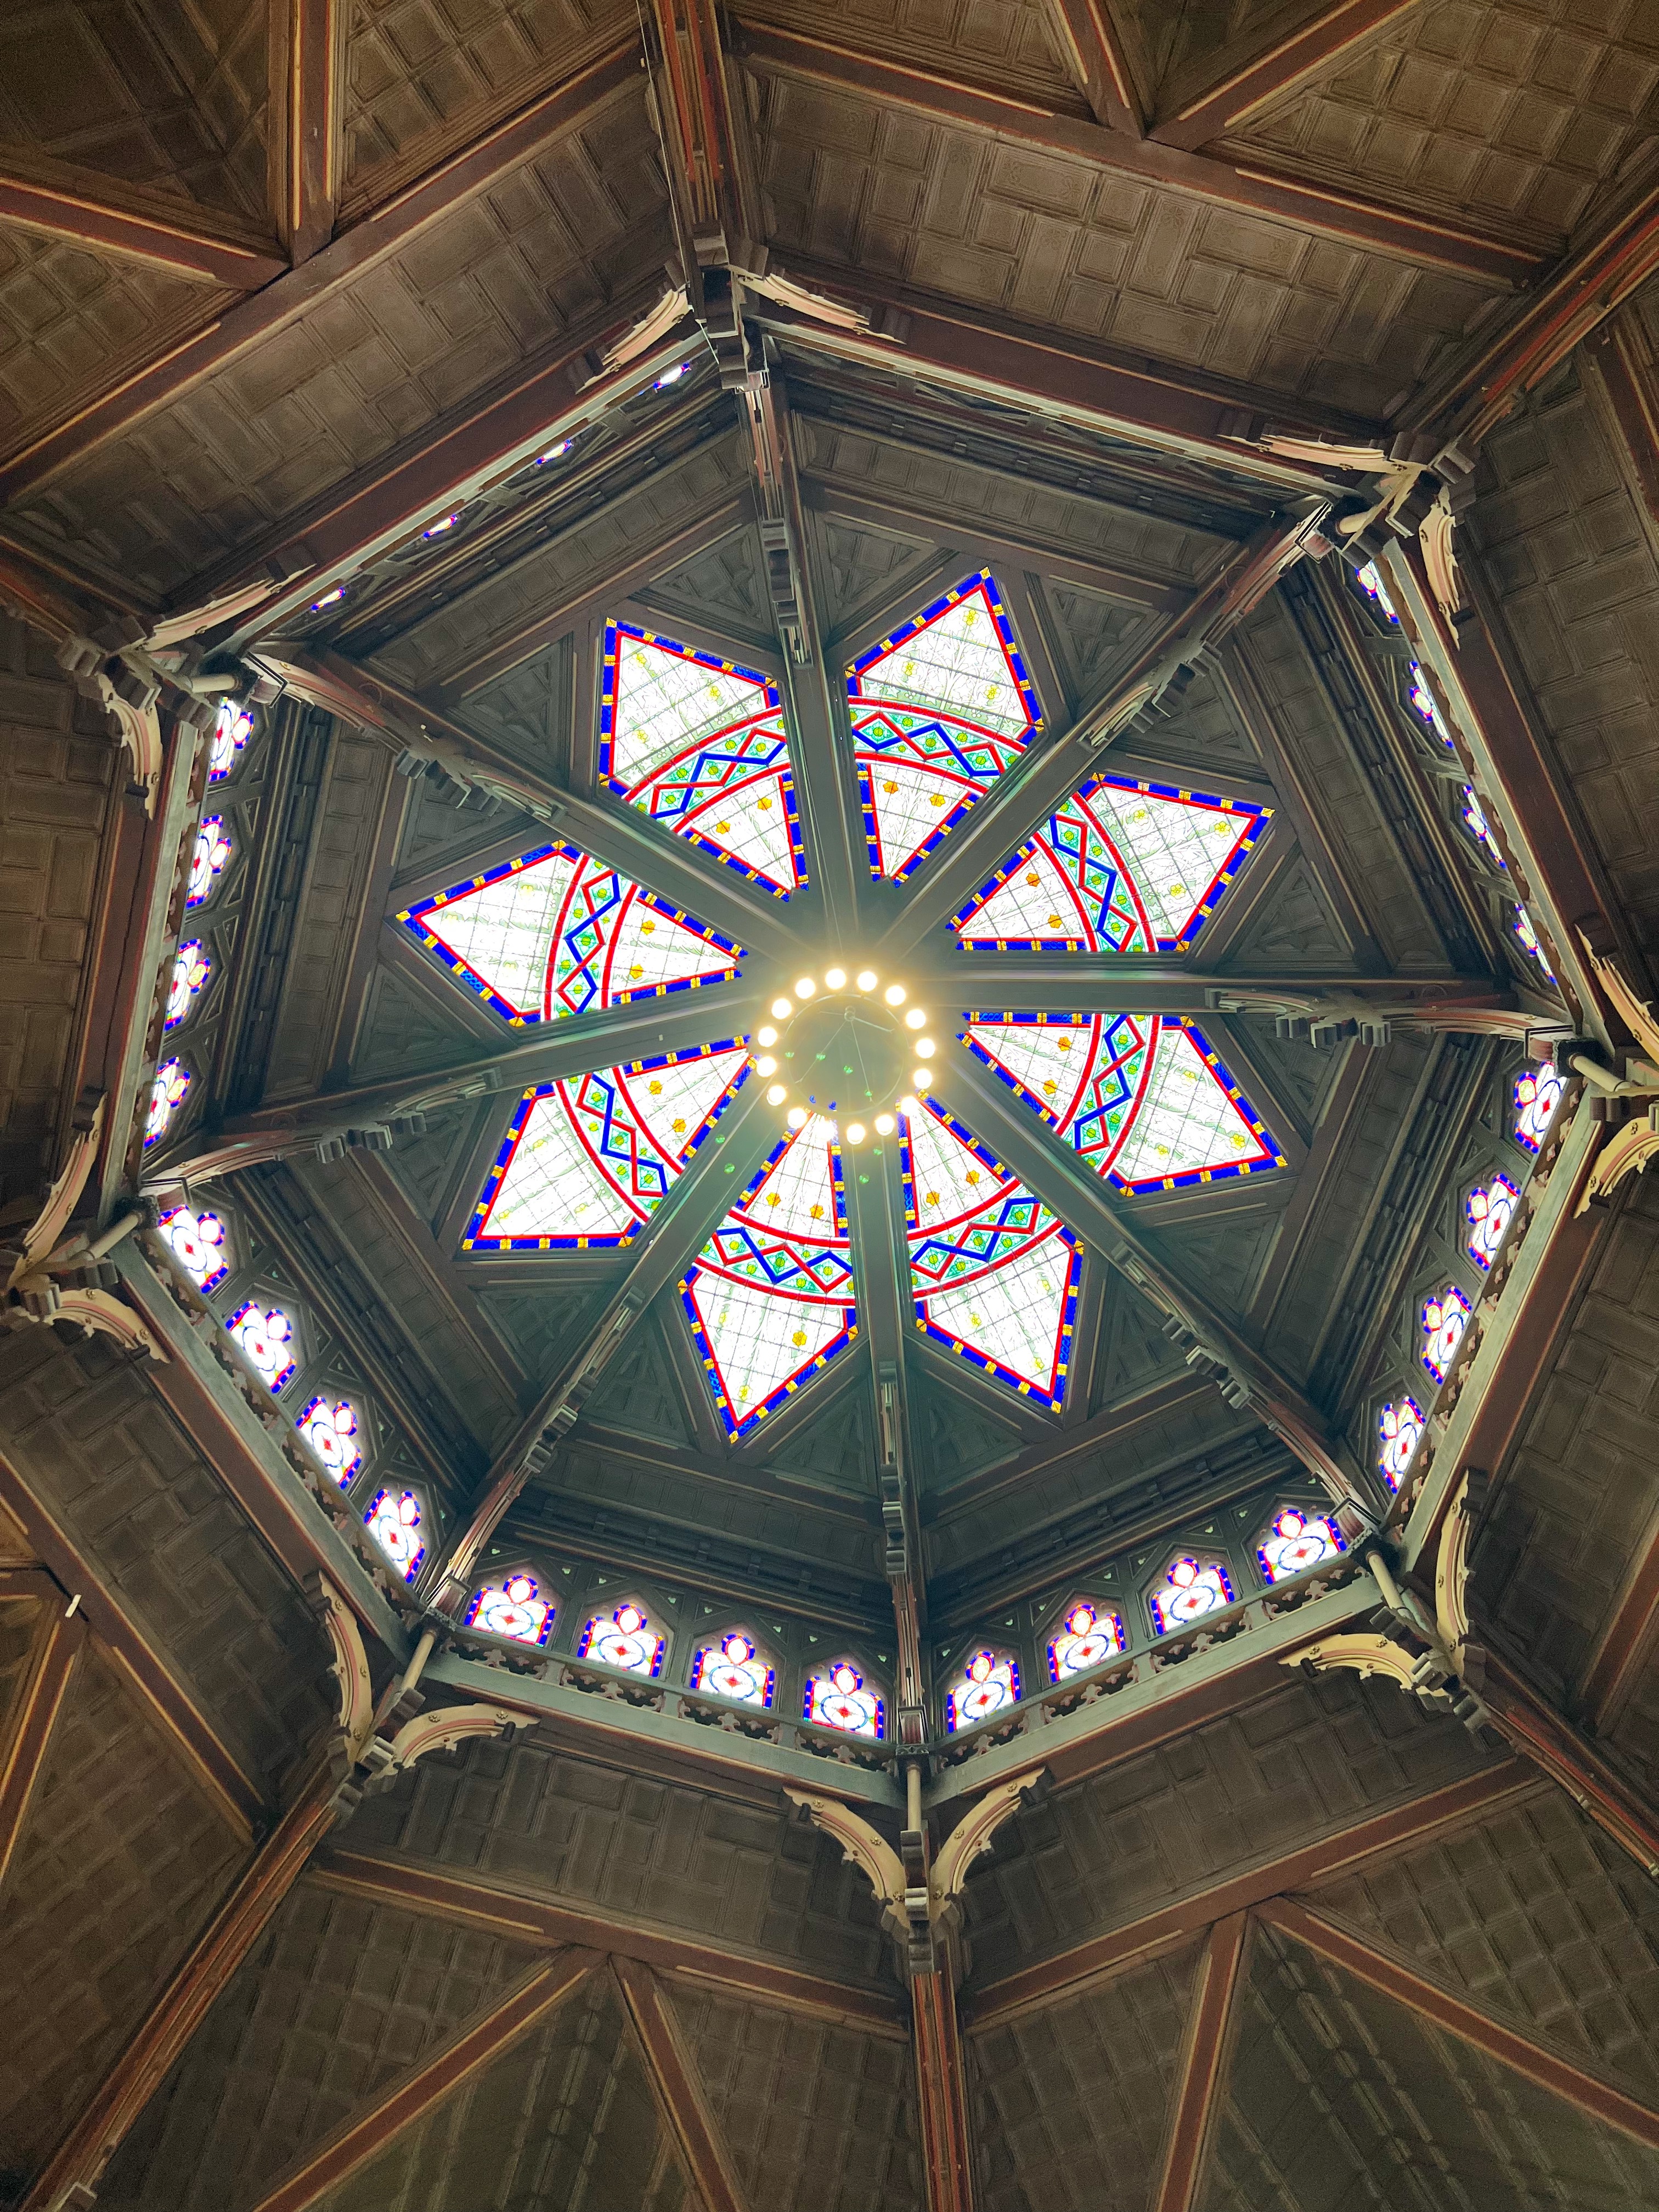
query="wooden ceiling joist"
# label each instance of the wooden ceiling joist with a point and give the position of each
(1086, 33)
(680, 2095)
(1316, 45)
(1203, 2063)
(95, 212)
(305, 70)
(26, 1736)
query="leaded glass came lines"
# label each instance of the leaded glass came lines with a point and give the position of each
(557, 933)
(699, 744)
(1123, 866)
(995, 1274)
(515, 1608)
(1298, 1541)
(939, 710)
(1143, 1098)
(987, 1686)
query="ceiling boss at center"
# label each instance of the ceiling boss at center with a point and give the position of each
(845, 1044)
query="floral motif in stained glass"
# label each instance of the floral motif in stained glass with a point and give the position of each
(987, 1684)
(993, 1273)
(393, 1520)
(1490, 1209)
(1191, 1589)
(588, 1160)
(1088, 1636)
(1530, 944)
(208, 856)
(1298, 1541)
(1400, 1427)
(939, 710)
(514, 1608)
(231, 732)
(626, 1637)
(1475, 819)
(197, 1242)
(1142, 1096)
(330, 1427)
(165, 1093)
(1537, 1095)
(1121, 867)
(558, 932)
(266, 1335)
(771, 1299)
(190, 968)
(699, 744)
(840, 1698)
(734, 1668)
(1445, 1317)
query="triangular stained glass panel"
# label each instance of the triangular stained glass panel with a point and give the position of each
(699, 744)
(1123, 866)
(587, 1160)
(770, 1299)
(556, 932)
(1142, 1097)
(939, 710)
(995, 1274)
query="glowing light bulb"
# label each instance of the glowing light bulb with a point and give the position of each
(922, 1076)
(895, 994)
(865, 979)
(805, 987)
(916, 1019)
(796, 1117)
(855, 1132)
(834, 979)
(766, 1065)
(908, 1107)
(329, 599)
(924, 1048)
(768, 1036)
(776, 1095)
(783, 1008)
(884, 1125)
(555, 452)
(670, 376)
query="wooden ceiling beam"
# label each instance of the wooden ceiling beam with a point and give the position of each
(1205, 2050)
(1532, 1725)
(56, 1645)
(1085, 982)
(680, 2095)
(710, 163)
(1317, 44)
(304, 66)
(103, 216)
(1625, 1647)
(947, 2134)
(1087, 38)
(1020, 119)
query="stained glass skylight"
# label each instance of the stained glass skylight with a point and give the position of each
(770, 1299)
(1400, 1430)
(329, 1426)
(1145, 1099)
(1123, 866)
(556, 932)
(625, 1637)
(939, 710)
(166, 1095)
(1489, 1209)
(995, 1274)
(197, 1242)
(191, 966)
(208, 857)
(587, 1160)
(699, 744)
(1298, 1541)
(1537, 1095)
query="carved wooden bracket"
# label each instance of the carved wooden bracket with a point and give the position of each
(447, 1727)
(862, 1847)
(50, 1280)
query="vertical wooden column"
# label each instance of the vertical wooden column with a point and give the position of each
(942, 2092)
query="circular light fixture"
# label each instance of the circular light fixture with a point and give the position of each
(834, 979)
(916, 1019)
(796, 1117)
(867, 979)
(776, 1095)
(895, 994)
(922, 1076)
(884, 1125)
(782, 1008)
(855, 1132)
(766, 1065)
(924, 1049)
(805, 987)
(768, 1036)
(908, 1107)
(850, 1057)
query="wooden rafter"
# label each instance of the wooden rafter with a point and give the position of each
(305, 60)
(710, 164)
(98, 213)
(1626, 1646)
(1203, 2063)
(1318, 44)
(1535, 1726)
(1087, 37)
(673, 2072)
(947, 2146)
(58, 1641)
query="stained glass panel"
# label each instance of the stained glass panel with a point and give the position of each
(330, 1427)
(939, 710)
(265, 1334)
(514, 1608)
(987, 1684)
(393, 1520)
(734, 1668)
(1423, 702)
(1088, 1636)
(626, 1637)
(1445, 1317)
(558, 932)
(1123, 866)
(1537, 1095)
(699, 744)
(197, 1242)
(208, 858)
(1297, 1542)
(231, 732)
(1530, 944)
(1475, 820)
(587, 1160)
(190, 968)
(995, 1274)
(1142, 1096)
(166, 1094)
(1400, 1427)
(1191, 1589)
(1370, 581)
(840, 1698)
(1489, 1209)
(770, 1299)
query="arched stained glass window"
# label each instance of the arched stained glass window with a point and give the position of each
(191, 966)
(514, 1608)
(698, 744)
(1297, 1541)
(1401, 1429)
(1530, 943)
(771, 1299)
(557, 933)
(1190, 1588)
(734, 1667)
(393, 1520)
(987, 1684)
(197, 1242)
(587, 1160)
(1123, 866)
(840, 1697)
(231, 732)
(1475, 820)
(329, 1426)
(1537, 1095)
(995, 1274)
(939, 710)
(1445, 1318)
(1490, 1208)
(265, 1336)
(1089, 1635)
(1142, 1097)
(209, 856)
(166, 1095)
(627, 1638)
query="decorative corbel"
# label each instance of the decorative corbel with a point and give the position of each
(1632, 1144)
(51, 1280)
(862, 1847)
(672, 309)
(974, 1835)
(441, 1730)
